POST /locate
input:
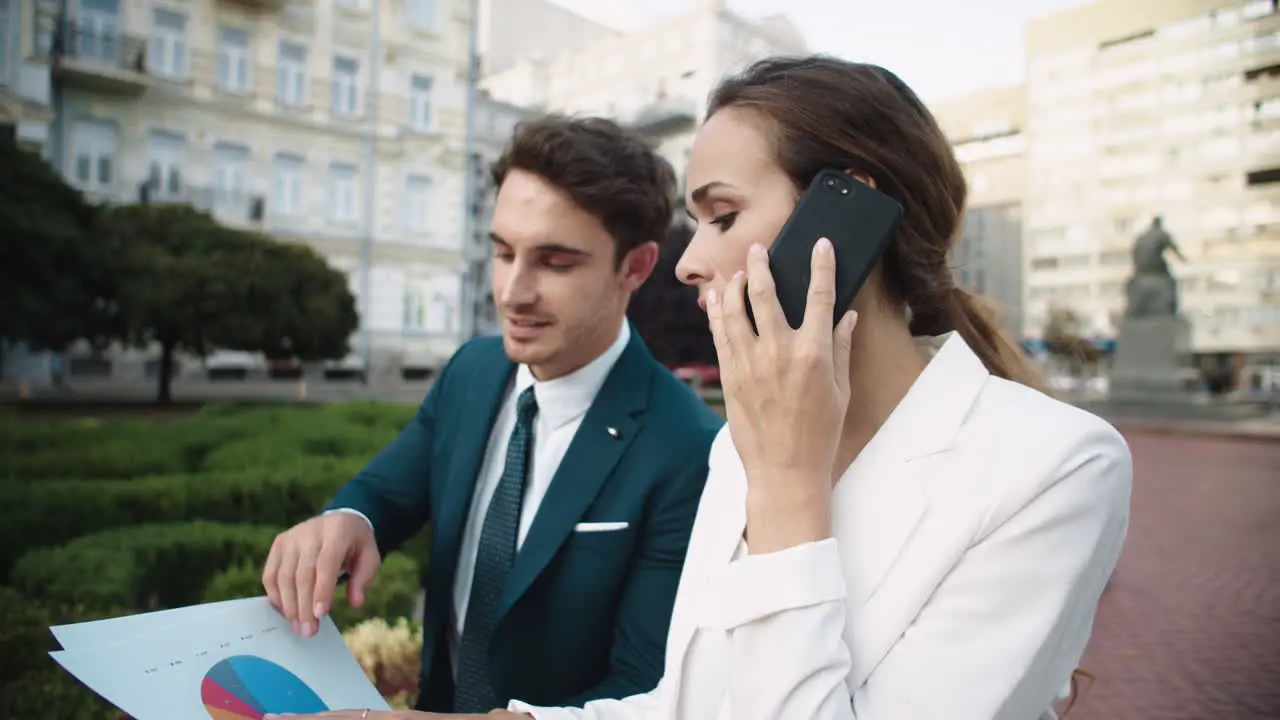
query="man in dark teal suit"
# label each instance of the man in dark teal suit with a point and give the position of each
(559, 467)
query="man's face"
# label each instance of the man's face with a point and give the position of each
(557, 284)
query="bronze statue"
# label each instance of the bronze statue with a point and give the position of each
(1152, 290)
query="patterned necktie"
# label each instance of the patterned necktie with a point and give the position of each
(494, 558)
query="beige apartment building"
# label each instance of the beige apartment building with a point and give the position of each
(987, 132)
(311, 120)
(1138, 108)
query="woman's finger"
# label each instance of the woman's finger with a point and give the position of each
(715, 318)
(842, 347)
(819, 310)
(737, 329)
(763, 295)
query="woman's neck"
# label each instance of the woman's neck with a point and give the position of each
(884, 364)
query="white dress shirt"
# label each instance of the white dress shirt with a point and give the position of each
(562, 403)
(972, 538)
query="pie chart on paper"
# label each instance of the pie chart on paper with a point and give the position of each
(247, 686)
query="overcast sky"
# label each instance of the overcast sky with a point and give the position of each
(941, 48)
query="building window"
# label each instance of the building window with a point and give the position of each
(288, 192)
(343, 193)
(167, 155)
(233, 60)
(441, 311)
(420, 102)
(422, 13)
(167, 55)
(93, 152)
(291, 74)
(417, 204)
(230, 173)
(412, 312)
(346, 86)
(98, 28)
(1258, 9)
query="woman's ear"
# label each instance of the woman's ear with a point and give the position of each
(862, 177)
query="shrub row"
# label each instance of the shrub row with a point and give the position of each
(31, 684)
(102, 519)
(216, 438)
(177, 564)
(51, 512)
(148, 567)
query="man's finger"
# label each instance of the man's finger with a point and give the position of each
(820, 306)
(305, 577)
(763, 295)
(363, 569)
(287, 584)
(328, 565)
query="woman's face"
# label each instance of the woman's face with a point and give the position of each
(738, 196)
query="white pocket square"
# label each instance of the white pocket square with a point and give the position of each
(601, 526)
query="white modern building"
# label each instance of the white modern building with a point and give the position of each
(321, 121)
(1140, 108)
(512, 30)
(657, 78)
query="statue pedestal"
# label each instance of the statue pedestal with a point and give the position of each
(1152, 361)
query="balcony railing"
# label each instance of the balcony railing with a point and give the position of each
(236, 209)
(87, 54)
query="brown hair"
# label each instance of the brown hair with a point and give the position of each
(826, 112)
(609, 171)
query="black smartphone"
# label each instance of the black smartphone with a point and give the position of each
(860, 222)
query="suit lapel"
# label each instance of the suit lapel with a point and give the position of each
(606, 432)
(475, 419)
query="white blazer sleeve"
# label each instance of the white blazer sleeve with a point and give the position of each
(647, 706)
(997, 640)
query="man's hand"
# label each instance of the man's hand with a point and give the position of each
(303, 566)
(400, 715)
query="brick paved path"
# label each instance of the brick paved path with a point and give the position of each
(1190, 628)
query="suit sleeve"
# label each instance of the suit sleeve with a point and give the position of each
(997, 641)
(393, 491)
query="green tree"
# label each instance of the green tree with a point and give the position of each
(56, 284)
(191, 284)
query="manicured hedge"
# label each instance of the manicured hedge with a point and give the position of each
(55, 511)
(101, 518)
(32, 685)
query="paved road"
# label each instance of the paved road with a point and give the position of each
(1190, 628)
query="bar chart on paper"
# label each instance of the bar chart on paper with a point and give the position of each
(247, 687)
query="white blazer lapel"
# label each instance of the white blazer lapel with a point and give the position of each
(878, 504)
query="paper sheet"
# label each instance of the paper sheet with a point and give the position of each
(114, 630)
(235, 662)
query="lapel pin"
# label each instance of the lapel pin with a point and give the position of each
(613, 432)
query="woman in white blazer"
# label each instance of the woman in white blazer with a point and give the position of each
(885, 533)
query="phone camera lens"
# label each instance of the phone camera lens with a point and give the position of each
(830, 182)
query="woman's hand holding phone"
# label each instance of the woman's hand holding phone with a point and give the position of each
(785, 392)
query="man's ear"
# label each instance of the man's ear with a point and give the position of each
(638, 265)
